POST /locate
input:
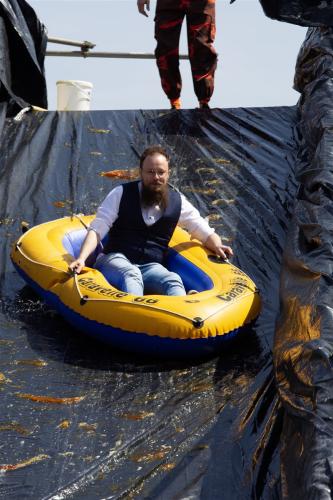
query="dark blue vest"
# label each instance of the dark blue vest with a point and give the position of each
(131, 236)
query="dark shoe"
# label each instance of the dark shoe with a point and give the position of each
(204, 105)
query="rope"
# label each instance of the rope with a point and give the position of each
(85, 298)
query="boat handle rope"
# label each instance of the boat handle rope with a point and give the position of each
(241, 297)
(197, 321)
(85, 298)
(79, 217)
(48, 266)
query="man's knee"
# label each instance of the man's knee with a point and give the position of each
(176, 278)
(119, 265)
(171, 278)
(132, 272)
(129, 279)
(173, 285)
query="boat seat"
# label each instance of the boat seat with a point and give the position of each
(193, 277)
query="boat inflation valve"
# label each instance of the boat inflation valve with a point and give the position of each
(198, 322)
(84, 300)
(24, 226)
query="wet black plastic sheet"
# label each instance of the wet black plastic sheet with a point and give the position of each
(301, 12)
(304, 339)
(23, 42)
(79, 420)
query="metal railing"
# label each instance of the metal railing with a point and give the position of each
(86, 46)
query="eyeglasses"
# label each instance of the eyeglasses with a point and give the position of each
(158, 173)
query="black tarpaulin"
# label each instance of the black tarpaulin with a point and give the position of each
(304, 338)
(301, 12)
(79, 420)
(23, 42)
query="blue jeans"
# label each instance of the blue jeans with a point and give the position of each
(137, 279)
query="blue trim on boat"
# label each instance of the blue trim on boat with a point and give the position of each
(193, 277)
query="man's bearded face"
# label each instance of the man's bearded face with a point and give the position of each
(155, 176)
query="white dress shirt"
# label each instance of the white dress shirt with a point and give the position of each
(189, 219)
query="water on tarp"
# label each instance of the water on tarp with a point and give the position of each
(82, 420)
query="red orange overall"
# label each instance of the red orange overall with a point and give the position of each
(200, 18)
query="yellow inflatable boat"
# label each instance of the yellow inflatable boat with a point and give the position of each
(151, 324)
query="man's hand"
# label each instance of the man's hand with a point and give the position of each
(214, 244)
(141, 7)
(88, 246)
(77, 265)
(224, 251)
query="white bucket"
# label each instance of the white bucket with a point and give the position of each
(73, 95)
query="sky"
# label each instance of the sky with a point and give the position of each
(256, 62)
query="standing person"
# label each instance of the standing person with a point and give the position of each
(140, 218)
(200, 17)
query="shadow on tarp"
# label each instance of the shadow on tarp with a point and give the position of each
(81, 420)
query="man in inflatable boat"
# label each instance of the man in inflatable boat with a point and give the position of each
(138, 218)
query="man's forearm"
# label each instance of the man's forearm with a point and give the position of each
(90, 243)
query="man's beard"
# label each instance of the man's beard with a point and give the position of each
(150, 197)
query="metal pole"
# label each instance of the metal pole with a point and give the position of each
(84, 45)
(111, 55)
